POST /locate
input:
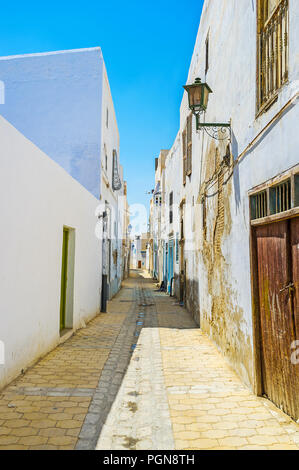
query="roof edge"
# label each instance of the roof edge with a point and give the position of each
(41, 54)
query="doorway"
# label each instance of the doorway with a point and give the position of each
(170, 267)
(67, 280)
(277, 260)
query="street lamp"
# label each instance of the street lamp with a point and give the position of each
(198, 97)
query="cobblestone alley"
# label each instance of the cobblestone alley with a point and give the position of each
(142, 376)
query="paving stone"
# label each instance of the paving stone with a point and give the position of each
(174, 390)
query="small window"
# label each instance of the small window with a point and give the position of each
(296, 183)
(107, 118)
(177, 249)
(259, 205)
(189, 145)
(171, 198)
(280, 197)
(170, 207)
(184, 142)
(207, 54)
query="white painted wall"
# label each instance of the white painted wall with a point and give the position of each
(37, 199)
(231, 25)
(110, 142)
(232, 76)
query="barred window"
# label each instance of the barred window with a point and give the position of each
(272, 54)
(184, 140)
(171, 207)
(189, 145)
(259, 205)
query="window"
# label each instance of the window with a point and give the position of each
(189, 145)
(116, 182)
(107, 118)
(187, 149)
(259, 205)
(207, 54)
(158, 200)
(171, 207)
(184, 139)
(296, 184)
(280, 197)
(276, 198)
(106, 157)
(177, 249)
(272, 53)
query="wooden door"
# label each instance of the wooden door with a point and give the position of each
(277, 276)
(295, 271)
(182, 272)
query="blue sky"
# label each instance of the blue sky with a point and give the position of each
(147, 48)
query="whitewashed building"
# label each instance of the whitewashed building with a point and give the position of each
(237, 259)
(59, 140)
(139, 251)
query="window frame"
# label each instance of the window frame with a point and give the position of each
(272, 56)
(292, 175)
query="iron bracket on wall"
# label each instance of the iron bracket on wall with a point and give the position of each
(218, 131)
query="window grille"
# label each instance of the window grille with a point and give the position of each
(184, 140)
(296, 189)
(280, 197)
(207, 55)
(189, 145)
(259, 205)
(273, 39)
(171, 207)
(177, 249)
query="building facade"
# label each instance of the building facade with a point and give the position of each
(63, 201)
(235, 208)
(139, 251)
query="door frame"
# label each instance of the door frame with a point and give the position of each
(170, 264)
(292, 174)
(67, 279)
(255, 300)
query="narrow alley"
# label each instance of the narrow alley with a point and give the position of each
(141, 376)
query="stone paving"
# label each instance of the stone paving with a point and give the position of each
(142, 376)
(198, 394)
(52, 404)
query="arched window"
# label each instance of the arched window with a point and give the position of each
(272, 54)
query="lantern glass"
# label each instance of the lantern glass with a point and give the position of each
(205, 96)
(198, 95)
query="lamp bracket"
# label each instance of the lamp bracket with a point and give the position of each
(218, 131)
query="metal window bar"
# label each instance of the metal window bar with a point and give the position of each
(184, 140)
(273, 53)
(259, 205)
(189, 144)
(280, 196)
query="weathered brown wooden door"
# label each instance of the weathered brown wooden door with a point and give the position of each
(278, 282)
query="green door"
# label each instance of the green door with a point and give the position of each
(65, 245)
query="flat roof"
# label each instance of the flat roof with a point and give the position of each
(40, 54)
